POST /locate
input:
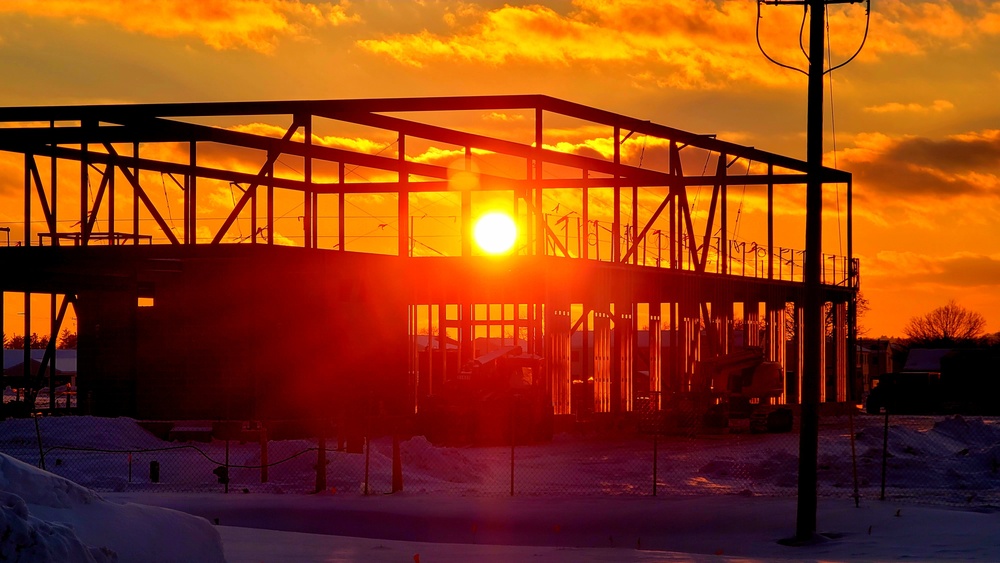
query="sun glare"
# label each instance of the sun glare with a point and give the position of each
(495, 232)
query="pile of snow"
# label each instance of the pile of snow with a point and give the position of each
(44, 517)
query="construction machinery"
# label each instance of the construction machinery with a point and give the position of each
(738, 391)
(499, 398)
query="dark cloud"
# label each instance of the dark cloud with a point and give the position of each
(960, 165)
(951, 155)
(967, 271)
(962, 271)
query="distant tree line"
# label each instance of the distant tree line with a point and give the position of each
(66, 341)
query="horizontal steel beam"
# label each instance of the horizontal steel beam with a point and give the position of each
(486, 183)
(127, 112)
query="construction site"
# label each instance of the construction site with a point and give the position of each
(345, 280)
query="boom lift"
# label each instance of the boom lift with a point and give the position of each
(737, 390)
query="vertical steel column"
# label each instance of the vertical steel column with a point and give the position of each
(586, 358)
(751, 323)
(770, 221)
(824, 372)
(617, 359)
(341, 208)
(466, 210)
(616, 223)
(84, 185)
(465, 337)
(111, 203)
(135, 196)
(635, 225)
(558, 355)
(722, 313)
(689, 339)
(540, 239)
(675, 359)
(27, 200)
(585, 221)
(840, 349)
(800, 349)
(724, 216)
(602, 359)
(53, 199)
(655, 356)
(539, 329)
(442, 346)
(315, 219)
(675, 209)
(403, 213)
(624, 338)
(307, 203)
(191, 200)
(776, 343)
(253, 216)
(429, 350)
(270, 200)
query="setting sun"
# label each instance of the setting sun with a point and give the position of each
(495, 232)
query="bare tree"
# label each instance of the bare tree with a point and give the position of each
(949, 324)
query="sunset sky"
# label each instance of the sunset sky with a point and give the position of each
(917, 119)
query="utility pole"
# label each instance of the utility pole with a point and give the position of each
(805, 520)
(812, 337)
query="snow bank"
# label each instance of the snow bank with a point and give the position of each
(48, 518)
(26, 538)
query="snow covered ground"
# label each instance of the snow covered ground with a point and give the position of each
(578, 499)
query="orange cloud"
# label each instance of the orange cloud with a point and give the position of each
(220, 24)
(669, 38)
(678, 43)
(705, 44)
(936, 106)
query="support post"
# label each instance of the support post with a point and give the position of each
(805, 523)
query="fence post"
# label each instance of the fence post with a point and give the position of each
(397, 465)
(854, 460)
(512, 439)
(321, 461)
(263, 453)
(885, 447)
(654, 462)
(41, 452)
(368, 452)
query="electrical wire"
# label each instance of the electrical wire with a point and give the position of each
(833, 131)
(864, 39)
(761, 47)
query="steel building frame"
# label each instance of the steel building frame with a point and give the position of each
(688, 288)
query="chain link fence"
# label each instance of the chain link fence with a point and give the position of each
(951, 460)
